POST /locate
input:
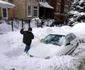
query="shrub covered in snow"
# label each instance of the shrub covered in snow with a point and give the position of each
(77, 12)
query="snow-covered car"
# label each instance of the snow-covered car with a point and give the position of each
(55, 45)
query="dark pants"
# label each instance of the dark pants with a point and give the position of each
(26, 48)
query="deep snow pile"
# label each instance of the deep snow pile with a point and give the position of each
(12, 53)
(79, 30)
(4, 28)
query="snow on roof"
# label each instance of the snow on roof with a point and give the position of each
(5, 4)
(46, 5)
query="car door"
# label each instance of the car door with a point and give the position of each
(66, 46)
(71, 42)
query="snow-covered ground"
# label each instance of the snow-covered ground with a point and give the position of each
(12, 52)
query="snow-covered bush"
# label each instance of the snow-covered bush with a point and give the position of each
(77, 12)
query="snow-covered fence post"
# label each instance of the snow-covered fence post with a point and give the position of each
(36, 20)
(42, 22)
(47, 22)
(12, 24)
(29, 22)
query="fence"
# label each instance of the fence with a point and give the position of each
(26, 23)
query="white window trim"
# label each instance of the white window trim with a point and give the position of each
(6, 13)
(27, 11)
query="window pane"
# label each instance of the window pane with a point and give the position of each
(11, 1)
(35, 11)
(42, 0)
(4, 12)
(29, 10)
(58, 9)
(65, 10)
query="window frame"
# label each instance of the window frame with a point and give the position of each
(29, 15)
(35, 9)
(58, 9)
(65, 9)
(11, 1)
(58, 0)
(42, 0)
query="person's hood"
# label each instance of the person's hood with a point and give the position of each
(44, 50)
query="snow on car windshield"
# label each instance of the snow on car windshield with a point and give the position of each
(54, 39)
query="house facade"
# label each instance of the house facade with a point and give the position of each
(26, 9)
(23, 9)
(6, 12)
(56, 9)
(61, 7)
(45, 9)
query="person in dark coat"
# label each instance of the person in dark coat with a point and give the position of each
(27, 38)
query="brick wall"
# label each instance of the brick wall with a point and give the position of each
(10, 13)
(19, 9)
(32, 3)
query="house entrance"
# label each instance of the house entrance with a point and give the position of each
(44, 12)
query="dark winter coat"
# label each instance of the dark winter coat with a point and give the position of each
(27, 37)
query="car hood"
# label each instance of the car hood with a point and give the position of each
(44, 50)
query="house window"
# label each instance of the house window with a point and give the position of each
(29, 11)
(42, 0)
(48, 0)
(65, 10)
(58, 9)
(11, 1)
(35, 11)
(58, 0)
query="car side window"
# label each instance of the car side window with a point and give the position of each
(67, 40)
(70, 37)
(73, 36)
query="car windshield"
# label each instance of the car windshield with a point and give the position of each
(54, 39)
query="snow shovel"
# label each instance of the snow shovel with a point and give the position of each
(39, 39)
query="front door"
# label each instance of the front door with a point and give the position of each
(4, 13)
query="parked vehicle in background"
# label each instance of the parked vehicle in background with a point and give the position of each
(55, 45)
